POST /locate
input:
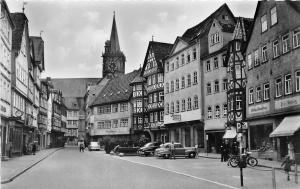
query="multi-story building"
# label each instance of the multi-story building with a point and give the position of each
(6, 26)
(273, 80)
(43, 113)
(215, 81)
(153, 73)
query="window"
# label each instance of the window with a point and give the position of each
(177, 63)
(182, 59)
(251, 96)
(188, 80)
(278, 88)
(177, 84)
(100, 125)
(209, 112)
(264, 53)
(238, 102)
(285, 43)
(115, 123)
(224, 110)
(225, 85)
(217, 86)
(115, 108)
(297, 77)
(182, 82)
(172, 66)
(167, 67)
(155, 116)
(194, 54)
(150, 98)
(161, 117)
(208, 88)
(107, 125)
(149, 80)
(140, 120)
(177, 106)
(183, 105)
(208, 66)
(160, 78)
(296, 38)
(189, 107)
(195, 78)
(172, 107)
(154, 97)
(151, 117)
(288, 84)
(196, 104)
(273, 16)
(256, 60)
(258, 94)
(188, 58)
(124, 123)
(154, 79)
(216, 63)
(264, 24)
(107, 109)
(124, 107)
(217, 111)
(266, 91)
(172, 86)
(167, 110)
(249, 59)
(275, 49)
(161, 96)
(167, 88)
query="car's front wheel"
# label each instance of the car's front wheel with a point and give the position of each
(167, 156)
(192, 155)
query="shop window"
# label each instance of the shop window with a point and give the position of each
(259, 138)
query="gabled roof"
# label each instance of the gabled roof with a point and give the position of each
(228, 28)
(116, 89)
(203, 27)
(138, 79)
(19, 20)
(38, 50)
(73, 87)
(178, 38)
(160, 50)
(8, 15)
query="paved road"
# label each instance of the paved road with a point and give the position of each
(68, 168)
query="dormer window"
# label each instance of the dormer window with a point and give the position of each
(225, 17)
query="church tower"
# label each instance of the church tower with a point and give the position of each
(113, 57)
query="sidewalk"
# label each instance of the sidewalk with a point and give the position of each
(16, 166)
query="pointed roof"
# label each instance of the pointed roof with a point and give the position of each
(38, 50)
(20, 21)
(114, 39)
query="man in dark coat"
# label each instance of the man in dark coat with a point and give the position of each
(33, 148)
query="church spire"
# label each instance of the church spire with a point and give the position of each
(114, 39)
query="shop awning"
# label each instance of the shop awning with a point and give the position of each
(287, 127)
(230, 133)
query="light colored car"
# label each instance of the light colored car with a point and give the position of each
(94, 146)
(164, 151)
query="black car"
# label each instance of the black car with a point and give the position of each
(148, 149)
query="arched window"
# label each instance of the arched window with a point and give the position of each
(183, 105)
(217, 111)
(196, 104)
(189, 104)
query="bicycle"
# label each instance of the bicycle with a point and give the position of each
(233, 161)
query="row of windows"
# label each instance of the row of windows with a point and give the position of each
(273, 18)
(216, 86)
(281, 88)
(217, 112)
(139, 120)
(22, 74)
(155, 78)
(187, 81)
(184, 59)
(175, 107)
(108, 124)
(156, 97)
(156, 117)
(216, 63)
(73, 122)
(71, 113)
(214, 38)
(19, 102)
(285, 47)
(112, 108)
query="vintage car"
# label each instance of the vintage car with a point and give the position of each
(94, 146)
(148, 149)
(164, 151)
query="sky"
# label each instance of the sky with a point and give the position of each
(75, 31)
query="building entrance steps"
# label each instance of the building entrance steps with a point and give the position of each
(14, 167)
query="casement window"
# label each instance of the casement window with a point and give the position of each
(100, 125)
(296, 38)
(249, 59)
(297, 78)
(155, 116)
(217, 111)
(115, 108)
(258, 94)
(208, 88)
(151, 118)
(238, 102)
(140, 120)
(172, 86)
(189, 80)
(216, 63)
(217, 89)
(107, 109)
(275, 49)
(194, 54)
(115, 123)
(161, 117)
(182, 59)
(149, 79)
(195, 78)
(177, 84)
(150, 98)
(266, 91)
(285, 44)
(188, 58)
(278, 87)
(251, 96)
(124, 107)
(189, 104)
(208, 66)
(167, 88)
(183, 105)
(264, 52)
(224, 110)
(288, 84)
(154, 97)
(172, 107)
(209, 112)
(167, 110)
(177, 106)
(177, 63)
(225, 85)
(183, 82)
(264, 24)
(273, 16)
(160, 78)
(161, 96)
(107, 124)
(167, 67)
(256, 59)
(196, 104)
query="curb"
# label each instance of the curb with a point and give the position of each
(208, 157)
(27, 168)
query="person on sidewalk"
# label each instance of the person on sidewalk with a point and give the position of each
(287, 163)
(223, 149)
(81, 146)
(172, 150)
(33, 148)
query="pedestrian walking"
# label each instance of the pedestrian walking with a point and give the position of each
(172, 150)
(81, 146)
(224, 152)
(33, 148)
(287, 163)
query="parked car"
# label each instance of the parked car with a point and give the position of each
(164, 151)
(148, 149)
(94, 146)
